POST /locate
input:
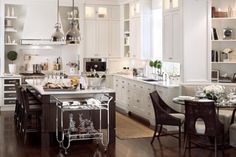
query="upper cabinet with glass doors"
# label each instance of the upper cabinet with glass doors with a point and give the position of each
(96, 12)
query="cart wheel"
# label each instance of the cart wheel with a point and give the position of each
(105, 149)
(66, 152)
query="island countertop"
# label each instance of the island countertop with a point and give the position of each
(41, 91)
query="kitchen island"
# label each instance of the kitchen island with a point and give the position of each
(48, 126)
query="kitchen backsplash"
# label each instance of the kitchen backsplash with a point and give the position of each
(45, 55)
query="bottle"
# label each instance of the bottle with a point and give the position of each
(58, 66)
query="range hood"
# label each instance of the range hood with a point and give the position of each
(39, 24)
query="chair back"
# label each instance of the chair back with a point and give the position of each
(18, 93)
(25, 100)
(205, 112)
(162, 110)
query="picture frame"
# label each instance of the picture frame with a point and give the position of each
(215, 75)
(234, 77)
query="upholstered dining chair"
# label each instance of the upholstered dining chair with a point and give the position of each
(165, 115)
(201, 120)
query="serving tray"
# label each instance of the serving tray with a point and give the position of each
(58, 89)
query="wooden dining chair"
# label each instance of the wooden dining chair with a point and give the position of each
(165, 115)
(201, 120)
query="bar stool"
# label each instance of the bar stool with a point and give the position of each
(31, 114)
(18, 104)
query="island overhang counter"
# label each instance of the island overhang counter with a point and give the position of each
(48, 115)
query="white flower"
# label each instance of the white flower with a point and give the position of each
(214, 89)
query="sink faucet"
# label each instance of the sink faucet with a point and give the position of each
(165, 76)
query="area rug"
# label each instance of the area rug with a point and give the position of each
(127, 128)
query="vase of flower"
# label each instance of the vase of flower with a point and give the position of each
(214, 92)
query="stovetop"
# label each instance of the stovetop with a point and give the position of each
(32, 74)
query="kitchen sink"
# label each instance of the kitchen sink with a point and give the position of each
(150, 80)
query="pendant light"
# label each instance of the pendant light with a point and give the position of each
(73, 35)
(57, 35)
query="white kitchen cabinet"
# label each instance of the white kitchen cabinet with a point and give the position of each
(102, 31)
(121, 93)
(115, 51)
(172, 36)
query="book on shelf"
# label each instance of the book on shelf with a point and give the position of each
(215, 57)
(214, 34)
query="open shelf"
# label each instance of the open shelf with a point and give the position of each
(221, 40)
(10, 30)
(224, 18)
(10, 17)
(232, 62)
(11, 44)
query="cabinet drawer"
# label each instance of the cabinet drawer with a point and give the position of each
(9, 88)
(11, 81)
(9, 95)
(9, 102)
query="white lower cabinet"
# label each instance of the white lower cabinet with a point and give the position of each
(134, 96)
(121, 93)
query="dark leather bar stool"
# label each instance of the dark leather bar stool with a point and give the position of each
(31, 114)
(18, 106)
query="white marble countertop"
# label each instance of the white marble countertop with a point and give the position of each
(40, 89)
(166, 84)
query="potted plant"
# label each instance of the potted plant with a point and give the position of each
(151, 64)
(158, 66)
(12, 56)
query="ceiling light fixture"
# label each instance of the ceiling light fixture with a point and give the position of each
(73, 35)
(57, 35)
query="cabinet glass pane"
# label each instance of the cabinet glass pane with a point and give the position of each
(175, 3)
(102, 12)
(137, 8)
(90, 12)
(166, 4)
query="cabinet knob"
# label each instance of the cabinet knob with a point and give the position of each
(170, 58)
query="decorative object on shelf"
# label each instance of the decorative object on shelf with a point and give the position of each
(12, 56)
(230, 11)
(57, 35)
(227, 33)
(214, 92)
(8, 12)
(225, 55)
(73, 35)
(218, 13)
(215, 75)
(12, 12)
(72, 67)
(234, 78)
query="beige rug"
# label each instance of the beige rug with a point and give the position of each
(127, 128)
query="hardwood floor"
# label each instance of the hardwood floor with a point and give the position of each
(11, 145)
